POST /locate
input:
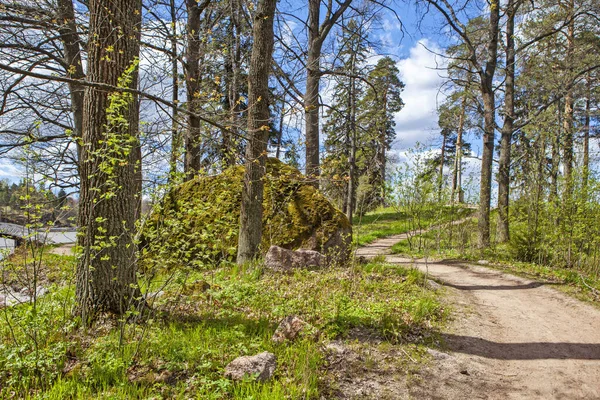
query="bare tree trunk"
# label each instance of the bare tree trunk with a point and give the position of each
(232, 77)
(586, 137)
(381, 156)
(457, 173)
(352, 153)
(72, 51)
(193, 79)
(569, 103)
(258, 128)
(175, 137)
(441, 172)
(556, 139)
(311, 96)
(487, 91)
(109, 194)
(317, 33)
(280, 131)
(507, 128)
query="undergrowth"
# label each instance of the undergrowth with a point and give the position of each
(459, 242)
(200, 321)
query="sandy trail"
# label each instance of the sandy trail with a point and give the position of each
(511, 338)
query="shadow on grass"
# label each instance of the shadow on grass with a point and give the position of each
(379, 217)
(251, 326)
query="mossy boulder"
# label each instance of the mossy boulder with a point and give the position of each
(197, 223)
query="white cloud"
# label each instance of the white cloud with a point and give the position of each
(10, 172)
(417, 122)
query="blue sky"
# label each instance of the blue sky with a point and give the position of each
(408, 43)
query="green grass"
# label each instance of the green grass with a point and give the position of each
(195, 330)
(391, 221)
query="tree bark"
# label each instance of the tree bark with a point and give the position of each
(232, 76)
(457, 173)
(317, 33)
(586, 136)
(381, 154)
(192, 141)
(441, 171)
(311, 96)
(106, 279)
(507, 128)
(251, 227)
(555, 161)
(487, 91)
(72, 51)
(350, 202)
(192, 137)
(569, 103)
(175, 137)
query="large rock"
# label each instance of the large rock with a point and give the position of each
(197, 223)
(262, 366)
(281, 259)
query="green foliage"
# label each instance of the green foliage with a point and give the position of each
(203, 320)
(16, 197)
(197, 223)
(360, 123)
(521, 256)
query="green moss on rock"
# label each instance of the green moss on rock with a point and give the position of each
(197, 223)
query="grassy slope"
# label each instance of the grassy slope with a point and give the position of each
(201, 322)
(393, 221)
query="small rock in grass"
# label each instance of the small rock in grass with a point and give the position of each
(433, 285)
(336, 347)
(261, 365)
(289, 329)
(483, 262)
(438, 355)
(281, 259)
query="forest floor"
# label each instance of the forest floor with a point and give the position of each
(509, 338)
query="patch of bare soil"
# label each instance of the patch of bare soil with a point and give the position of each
(365, 367)
(511, 338)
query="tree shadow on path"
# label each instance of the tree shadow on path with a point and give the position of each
(521, 351)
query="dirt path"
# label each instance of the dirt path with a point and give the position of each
(511, 338)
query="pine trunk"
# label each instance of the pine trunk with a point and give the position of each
(586, 139)
(487, 92)
(507, 129)
(441, 171)
(457, 173)
(568, 110)
(350, 202)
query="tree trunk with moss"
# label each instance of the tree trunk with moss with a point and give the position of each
(106, 271)
(258, 130)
